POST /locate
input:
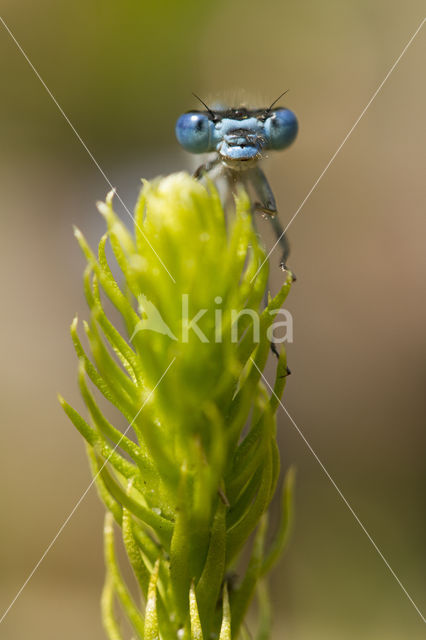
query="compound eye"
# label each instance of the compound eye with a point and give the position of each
(281, 128)
(193, 132)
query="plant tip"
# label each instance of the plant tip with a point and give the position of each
(102, 208)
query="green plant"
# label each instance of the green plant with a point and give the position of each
(192, 475)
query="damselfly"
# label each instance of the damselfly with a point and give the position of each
(239, 137)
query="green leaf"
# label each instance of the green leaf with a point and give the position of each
(107, 606)
(196, 630)
(107, 430)
(225, 629)
(111, 504)
(281, 537)
(151, 631)
(133, 553)
(161, 526)
(208, 586)
(238, 533)
(242, 596)
(126, 600)
(264, 606)
(90, 369)
(180, 549)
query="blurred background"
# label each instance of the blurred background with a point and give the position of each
(122, 73)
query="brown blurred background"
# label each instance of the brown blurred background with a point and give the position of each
(123, 73)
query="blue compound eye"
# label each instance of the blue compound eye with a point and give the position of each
(281, 129)
(194, 132)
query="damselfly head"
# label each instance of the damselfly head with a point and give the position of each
(236, 133)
